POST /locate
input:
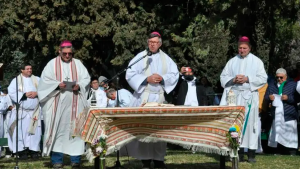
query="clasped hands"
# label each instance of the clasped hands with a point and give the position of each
(31, 94)
(62, 86)
(283, 97)
(154, 78)
(240, 79)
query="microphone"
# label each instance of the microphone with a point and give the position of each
(149, 53)
(24, 97)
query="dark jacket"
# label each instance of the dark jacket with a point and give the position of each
(181, 89)
(290, 105)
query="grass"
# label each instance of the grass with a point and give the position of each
(175, 159)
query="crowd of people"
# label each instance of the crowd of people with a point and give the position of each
(49, 105)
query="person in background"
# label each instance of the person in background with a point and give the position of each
(5, 109)
(121, 97)
(96, 96)
(189, 91)
(102, 83)
(29, 127)
(284, 97)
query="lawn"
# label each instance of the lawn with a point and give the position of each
(175, 159)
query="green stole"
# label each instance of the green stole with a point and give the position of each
(281, 88)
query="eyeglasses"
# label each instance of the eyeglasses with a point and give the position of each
(65, 54)
(279, 77)
(153, 42)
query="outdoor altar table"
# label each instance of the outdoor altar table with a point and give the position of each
(201, 129)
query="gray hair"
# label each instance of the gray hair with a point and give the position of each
(61, 48)
(110, 92)
(281, 71)
(159, 38)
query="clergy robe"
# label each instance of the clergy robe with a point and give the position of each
(246, 94)
(124, 97)
(100, 96)
(58, 114)
(163, 65)
(26, 111)
(5, 102)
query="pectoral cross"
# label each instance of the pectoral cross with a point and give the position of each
(67, 78)
(34, 120)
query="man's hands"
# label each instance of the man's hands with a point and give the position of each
(240, 79)
(155, 78)
(76, 87)
(31, 95)
(63, 86)
(283, 97)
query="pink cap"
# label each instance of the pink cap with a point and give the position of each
(156, 33)
(65, 43)
(244, 39)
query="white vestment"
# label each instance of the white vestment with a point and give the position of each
(125, 98)
(163, 65)
(26, 110)
(58, 125)
(100, 97)
(246, 94)
(5, 102)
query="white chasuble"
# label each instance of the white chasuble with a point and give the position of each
(61, 107)
(163, 65)
(246, 94)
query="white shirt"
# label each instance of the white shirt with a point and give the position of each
(191, 95)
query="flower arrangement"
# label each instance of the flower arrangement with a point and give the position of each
(98, 147)
(233, 139)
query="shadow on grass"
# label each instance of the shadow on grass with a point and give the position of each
(136, 164)
(13, 160)
(172, 166)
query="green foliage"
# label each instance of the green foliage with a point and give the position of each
(108, 33)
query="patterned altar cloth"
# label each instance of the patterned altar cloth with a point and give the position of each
(198, 128)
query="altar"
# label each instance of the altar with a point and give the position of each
(200, 129)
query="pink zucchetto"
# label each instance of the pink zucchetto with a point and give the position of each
(155, 33)
(65, 43)
(244, 39)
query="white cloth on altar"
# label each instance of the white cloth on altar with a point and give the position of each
(282, 132)
(101, 99)
(26, 110)
(61, 139)
(246, 94)
(191, 96)
(135, 76)
(125, 98)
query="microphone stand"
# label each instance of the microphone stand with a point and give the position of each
(149, 53)
(117, 163)
(18, 103)
(17, 129)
